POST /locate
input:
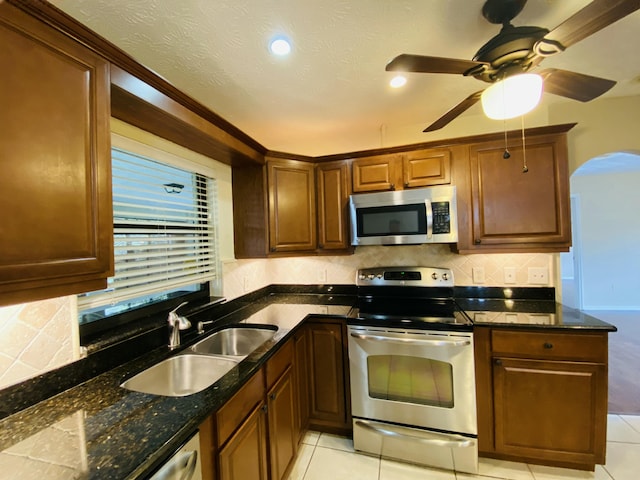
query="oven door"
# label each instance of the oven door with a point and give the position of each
(417, 378)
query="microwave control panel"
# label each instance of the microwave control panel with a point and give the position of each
(441, 217)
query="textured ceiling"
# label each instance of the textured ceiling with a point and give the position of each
(331, 94)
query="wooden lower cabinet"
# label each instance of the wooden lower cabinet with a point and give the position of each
(329, 405)
(301, 370)
(244, 457)
(283, 437)
(545, 396)
(549, 410)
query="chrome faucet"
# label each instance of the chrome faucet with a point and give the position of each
(176, 323)
(202, 324)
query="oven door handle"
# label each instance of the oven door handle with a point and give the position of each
(412, 341)
(412, 434)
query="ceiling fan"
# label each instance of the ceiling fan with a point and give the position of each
(517, 50)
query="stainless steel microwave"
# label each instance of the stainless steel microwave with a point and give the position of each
(404, 217)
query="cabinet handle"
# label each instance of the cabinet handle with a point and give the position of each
(393, 186)
(272, 396)
(477, 241)
(273, 249)
(320, 245)
(406, 184)
(498, 362)
(264, 408)
(548, 345)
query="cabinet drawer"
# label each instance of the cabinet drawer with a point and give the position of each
(279, 363)
(231, 415)
(588, 347)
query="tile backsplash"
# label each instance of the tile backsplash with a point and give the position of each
(242, 276)
(36, 337)
(41, 336)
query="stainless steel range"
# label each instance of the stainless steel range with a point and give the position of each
(412, 369)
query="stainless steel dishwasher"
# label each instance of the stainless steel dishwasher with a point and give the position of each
(184, 464)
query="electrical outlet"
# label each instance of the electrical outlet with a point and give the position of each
(509, 275)
(322, 275)
(538, 276)
(478, 274)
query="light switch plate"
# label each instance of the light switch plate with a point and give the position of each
(478, 274)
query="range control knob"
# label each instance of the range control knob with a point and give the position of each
(379, 276)
(371, 276)
(445, 276)
(434, 275)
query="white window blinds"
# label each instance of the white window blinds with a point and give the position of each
(164, 230)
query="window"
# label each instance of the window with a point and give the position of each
(165, 238)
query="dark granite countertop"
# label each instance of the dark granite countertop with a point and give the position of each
(98, 430)
(523, 308)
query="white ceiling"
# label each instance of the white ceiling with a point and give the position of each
(331, 94)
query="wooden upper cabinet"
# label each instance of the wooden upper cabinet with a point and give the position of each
(414, 169)
(56, 234)
(292, 205)
(377, 173)
(424, 168)
(333, 186)
(517, 211)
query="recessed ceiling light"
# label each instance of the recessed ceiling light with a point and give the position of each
(398, 81)
(280, 46)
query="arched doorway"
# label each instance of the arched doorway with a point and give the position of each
(601, 274)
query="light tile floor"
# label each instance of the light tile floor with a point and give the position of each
(329, 457)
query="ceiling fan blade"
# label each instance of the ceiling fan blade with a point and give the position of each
(422, 64)
(454, 112)
(576, 86)
(591, 19)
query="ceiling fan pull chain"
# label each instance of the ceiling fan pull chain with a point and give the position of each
(506, 153)
(525, 169)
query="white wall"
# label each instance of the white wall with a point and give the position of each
(609, 235)
(605, 126)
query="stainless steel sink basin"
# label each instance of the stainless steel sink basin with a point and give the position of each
(181, 375)
(234, 341)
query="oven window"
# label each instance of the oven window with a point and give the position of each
(408, 379)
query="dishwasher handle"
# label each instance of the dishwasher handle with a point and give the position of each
(411, 341)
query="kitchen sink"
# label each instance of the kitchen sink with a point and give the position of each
(235, 341)
(181, 375)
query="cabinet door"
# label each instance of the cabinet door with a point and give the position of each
(333, 203)
(56, 234)
(245, 455)
(328, 402)
(512, 209)
(283, 438)
(424, 168)
(377, 173)
(292, 206)
(549, 410)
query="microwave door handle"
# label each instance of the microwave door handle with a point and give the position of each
(427, 204)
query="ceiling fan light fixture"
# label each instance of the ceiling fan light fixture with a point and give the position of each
(512, 97)
(398, 81)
